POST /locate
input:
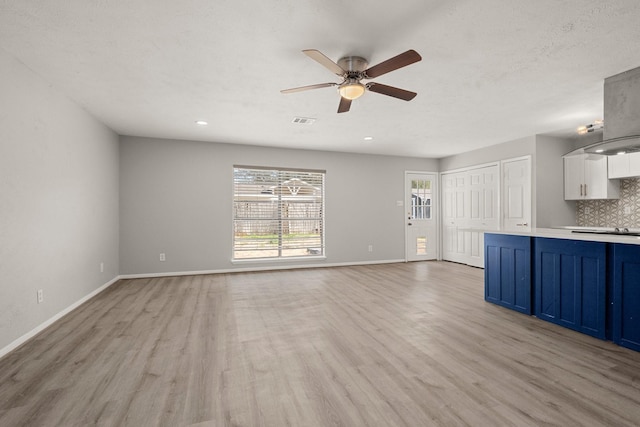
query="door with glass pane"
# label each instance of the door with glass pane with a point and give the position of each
(420, 214)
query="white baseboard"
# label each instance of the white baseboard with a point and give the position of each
(24, 338)
(255, 268)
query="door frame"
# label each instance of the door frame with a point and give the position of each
(435, 210)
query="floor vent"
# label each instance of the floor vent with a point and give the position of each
(303, 120)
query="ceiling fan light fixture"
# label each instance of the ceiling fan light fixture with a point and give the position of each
(351, 90)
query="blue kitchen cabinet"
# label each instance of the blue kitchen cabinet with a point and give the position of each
(626, 296)
(507, 271)
(570, 284)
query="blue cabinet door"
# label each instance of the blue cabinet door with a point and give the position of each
(507, 271)
(570, 284)
(626, 296)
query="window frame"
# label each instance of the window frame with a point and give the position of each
(282, 173)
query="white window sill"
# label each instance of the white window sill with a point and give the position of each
(277, 260)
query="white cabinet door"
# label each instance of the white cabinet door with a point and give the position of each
(516, 194)
(618, 166)
(596, 177)
(574, 177)
(634, 164)
(586, 177)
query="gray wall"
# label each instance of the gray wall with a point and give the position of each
(506, 150)
(58, 201)
(550, 207)
(175, 198)
(547, 185)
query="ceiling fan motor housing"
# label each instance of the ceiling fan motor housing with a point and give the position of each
(353, 64)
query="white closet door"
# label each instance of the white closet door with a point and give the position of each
(483, 210)
(470, 206)
(454, 216)
(516, 194)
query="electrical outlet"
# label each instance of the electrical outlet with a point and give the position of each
(102, 267)
(163, 257)
(627, 210)
(370, 248)
(40, 296)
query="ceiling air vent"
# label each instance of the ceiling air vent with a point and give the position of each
(303, 120)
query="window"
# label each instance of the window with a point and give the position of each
(421, 199)
(277, 213)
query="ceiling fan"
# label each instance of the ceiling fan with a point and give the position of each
(353, 69)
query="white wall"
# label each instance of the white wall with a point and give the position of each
(175, 198)
(58, 202)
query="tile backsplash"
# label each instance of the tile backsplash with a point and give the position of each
(623, 212)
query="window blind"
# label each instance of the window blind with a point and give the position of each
(277, 213)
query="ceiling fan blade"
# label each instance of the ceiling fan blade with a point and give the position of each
(303, 88)
(319, 57)
(344, 106)
(391, 91)
(402, 60)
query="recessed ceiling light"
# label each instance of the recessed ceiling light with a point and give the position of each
(621, 153)
(201, 123)
(599, 150)
(368, 138)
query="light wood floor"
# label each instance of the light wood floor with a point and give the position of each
(384, 345)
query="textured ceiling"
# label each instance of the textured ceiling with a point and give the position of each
(492, 70)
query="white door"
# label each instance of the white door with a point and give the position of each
(483, 210)
(455, 195)
(420, 226)
(516, 194)
(448, 216)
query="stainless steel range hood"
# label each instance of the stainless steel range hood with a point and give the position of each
(612, 147)
(621, 116)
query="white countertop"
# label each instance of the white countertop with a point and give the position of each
(566, 233)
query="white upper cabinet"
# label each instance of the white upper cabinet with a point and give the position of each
(586, 177)
(634, 164)
(624, 165)
(618, 166)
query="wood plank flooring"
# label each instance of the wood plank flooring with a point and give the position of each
(382, 345)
